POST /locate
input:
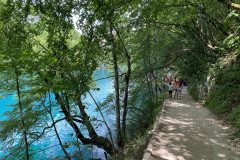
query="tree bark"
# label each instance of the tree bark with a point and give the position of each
(94, 139)
(22, 117)
(146, 71)
(151, 75)
(147, 77)
(234, 5)
(116, 84)
(127, 79)
(125, 100)
(155, 58)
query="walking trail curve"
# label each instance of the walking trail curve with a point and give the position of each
(187, 131)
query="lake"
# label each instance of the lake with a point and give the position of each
(51, 141)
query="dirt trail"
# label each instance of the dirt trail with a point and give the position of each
(188, 131)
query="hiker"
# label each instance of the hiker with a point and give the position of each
(170, 89)
(179, 90)
(173, 82)
(175, 89)
(181, 86)
(185, 83)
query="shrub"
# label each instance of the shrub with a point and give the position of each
(234, 117)
(193, 91)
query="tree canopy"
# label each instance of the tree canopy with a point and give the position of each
(49, 51)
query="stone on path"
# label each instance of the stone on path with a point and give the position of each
(188, 131)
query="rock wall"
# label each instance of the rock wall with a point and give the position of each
(200, 90)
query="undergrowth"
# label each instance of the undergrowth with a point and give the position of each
(138, 130)
(192, 90)
(224, 95)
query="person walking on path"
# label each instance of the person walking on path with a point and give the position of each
(170, 89)
(175, 89)
(181, 85)
(179, 90)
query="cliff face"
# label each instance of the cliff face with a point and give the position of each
(199, 90)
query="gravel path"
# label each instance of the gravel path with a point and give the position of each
(188, 131)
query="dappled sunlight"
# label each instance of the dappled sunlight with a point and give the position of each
(178, 104)
(176, 121)
(183, 114)
(164, 153)
(187, 131)
(221, 155)
(201, 135)
(214, 141)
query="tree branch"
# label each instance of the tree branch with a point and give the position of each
(157, 68)
(235, 5)
(48, 127)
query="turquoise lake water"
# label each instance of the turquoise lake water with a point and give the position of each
(106, 87)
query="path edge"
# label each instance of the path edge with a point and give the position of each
(152, 133)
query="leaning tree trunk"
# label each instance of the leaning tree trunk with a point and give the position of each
(94, 139)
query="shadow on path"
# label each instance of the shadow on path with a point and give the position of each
(187, 131)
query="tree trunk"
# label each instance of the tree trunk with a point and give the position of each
(155, 57)
(125, 101)
(116, 85)
(146, 73)
(94, 139)
(234, 5)
(127, 79)
(149, 64)
(147, 78)
(22, 117)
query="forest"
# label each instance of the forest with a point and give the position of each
(52, 52)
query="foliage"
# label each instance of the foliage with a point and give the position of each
(234, 117)
(44, 53)
(142, 112)
(223, 98)
(193, 90)
(142, 115)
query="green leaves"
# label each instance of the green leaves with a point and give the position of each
(40, 42)
(234, 117)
